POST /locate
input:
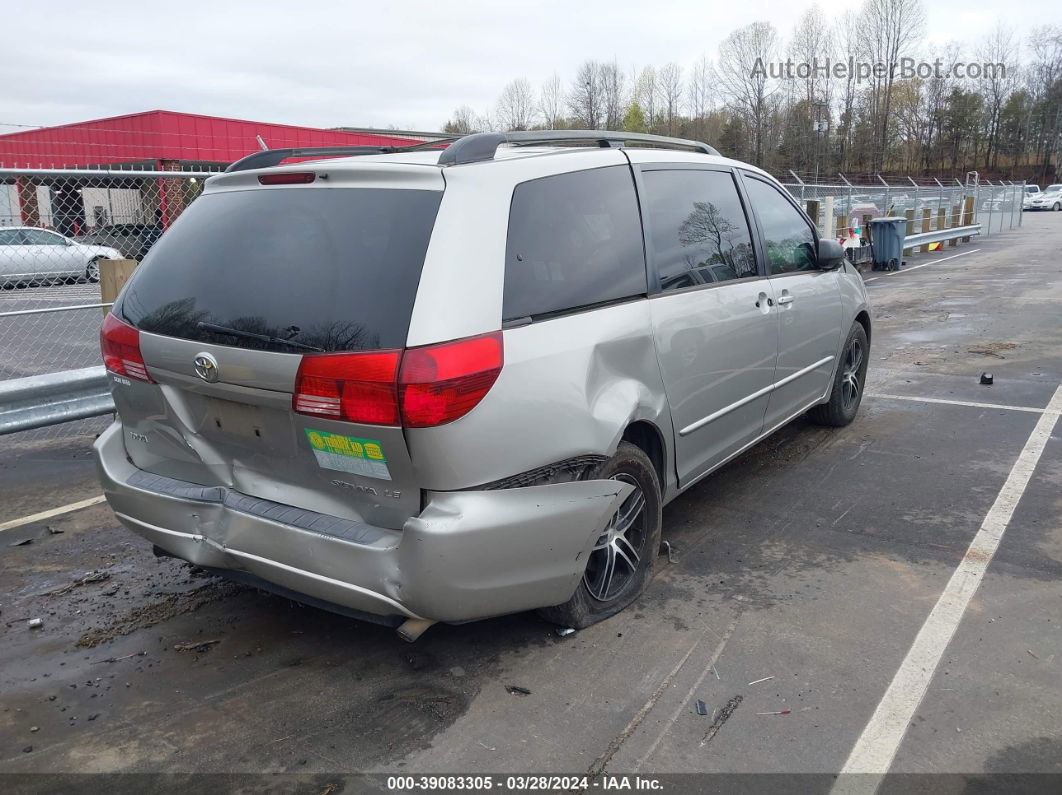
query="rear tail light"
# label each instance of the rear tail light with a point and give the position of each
(120, 344)
(441, 383)
(418, 388)
(357, 387)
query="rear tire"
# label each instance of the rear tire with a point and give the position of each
(633, 532)
(848, 382)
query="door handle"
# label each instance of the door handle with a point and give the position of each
(785, 299)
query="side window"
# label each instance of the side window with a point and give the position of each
(699, 231)
(41, 237)
(9, 237)
(574, 240)
(788, 237)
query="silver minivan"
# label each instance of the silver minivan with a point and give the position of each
(442, 384)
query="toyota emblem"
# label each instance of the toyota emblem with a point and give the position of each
(206, 367)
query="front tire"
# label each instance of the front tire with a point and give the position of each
(92, 271)
(1057, 207)
(621, 563)
(848, 381)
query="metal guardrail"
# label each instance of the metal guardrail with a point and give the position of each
(41, 400)
(941, 235)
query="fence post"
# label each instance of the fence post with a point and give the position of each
(968, 214)
(955, 221)
(942, 218)
(926, 215)
(940, 196)
(885, 202)
(799, 182)
(829, 219)
(812, 206)
(114, 273)
(909, 215)
(991, 200)
(1021, 207)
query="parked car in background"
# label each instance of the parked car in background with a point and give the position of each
(132, 240)
(1031, 192)
(1056, 188)
(1047, 200)
(1032, 188)
(31, 255)
(328, 387)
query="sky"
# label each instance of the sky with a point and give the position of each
(360, 64)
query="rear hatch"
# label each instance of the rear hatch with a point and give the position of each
(248, 286)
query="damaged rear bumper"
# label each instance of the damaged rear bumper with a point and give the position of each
(468, 555)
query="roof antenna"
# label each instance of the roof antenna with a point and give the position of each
(261, 143)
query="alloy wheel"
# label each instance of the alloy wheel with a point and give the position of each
(92, 272)
(614, 559)
(850, 385)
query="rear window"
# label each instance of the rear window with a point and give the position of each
(289, 270)
(575, 240)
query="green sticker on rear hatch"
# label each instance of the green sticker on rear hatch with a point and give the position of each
(349, 454)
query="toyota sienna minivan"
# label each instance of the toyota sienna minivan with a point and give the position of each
(441, 384)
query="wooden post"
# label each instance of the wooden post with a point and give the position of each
(942, 219)
(955, 215)
(967, 214)
(909, 215)
(829, 232)
(813, 211)
(114, 273)
(926, 213)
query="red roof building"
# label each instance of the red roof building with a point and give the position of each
(162, 139)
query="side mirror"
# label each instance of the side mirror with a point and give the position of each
(831, 255)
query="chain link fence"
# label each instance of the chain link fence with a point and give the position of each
(56, 226)
(930, 205)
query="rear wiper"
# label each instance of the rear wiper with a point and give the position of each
(250, 335)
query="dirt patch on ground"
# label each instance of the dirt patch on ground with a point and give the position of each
(993, 349)
(162, 610)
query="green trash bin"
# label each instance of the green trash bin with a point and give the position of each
(886, 240)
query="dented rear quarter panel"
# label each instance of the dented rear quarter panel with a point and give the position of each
(570, 386)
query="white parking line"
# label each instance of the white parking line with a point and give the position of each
(970, 403)
(876, 747)
(38, 517)
(916, 267)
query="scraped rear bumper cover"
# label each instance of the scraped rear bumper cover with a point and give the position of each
(468, 555)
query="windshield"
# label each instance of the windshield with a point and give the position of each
(334, 269)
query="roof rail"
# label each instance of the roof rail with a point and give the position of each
(482, 146)
(274, 157)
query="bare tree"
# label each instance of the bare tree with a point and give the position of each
(889, 28)
(586, 99)
(849, 46)
(997, 49)
(669, 94)
(811, 49)
(1044, 76)
(701, 93)
(516, 105)
(645, 95)
(613, 83)
(550, 101)
(744, 79)
(486, 122)
(463, 121)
